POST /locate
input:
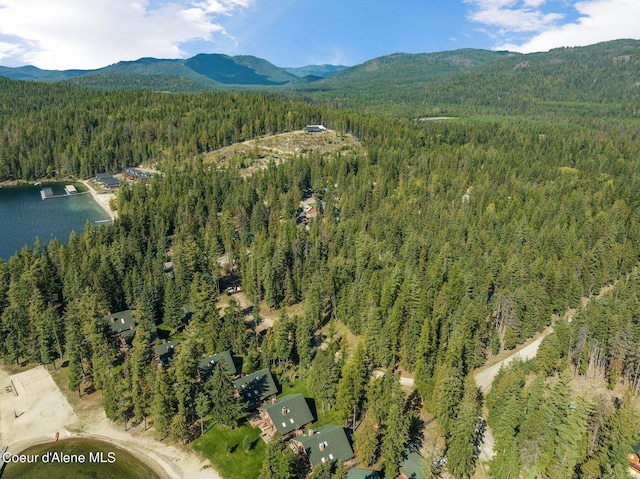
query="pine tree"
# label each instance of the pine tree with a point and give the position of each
(366, 441)
(350, 393)
(225, 408)
(141, 362)
(462, 445)
(202, 409)
(280, 461)
(162, 405)
(172, 306)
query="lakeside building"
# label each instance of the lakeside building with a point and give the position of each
(108, 181)
(165, 352)
(315, 129)
(207, 364)
(286, 415)
(256, 388)
(328, 443)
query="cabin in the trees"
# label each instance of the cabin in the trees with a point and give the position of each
(123, 328)
(107, 180)
(207, 365)
(165, 352)
(411, 466)
(286, 415)
(256, 388)
(328, 443)
(314, 129)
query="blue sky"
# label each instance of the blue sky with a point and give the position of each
(63, 34)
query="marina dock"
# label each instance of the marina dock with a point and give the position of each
(46, 193)
(70, 190)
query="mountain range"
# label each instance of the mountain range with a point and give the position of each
(203, 71)
(604, 72)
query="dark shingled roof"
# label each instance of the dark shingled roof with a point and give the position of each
(289, 413)
(256, 387)
(166, 351)
(327, 443)
(122, 323)
(206, 365)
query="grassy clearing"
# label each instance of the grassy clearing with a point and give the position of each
(322, 417)
(235, 453)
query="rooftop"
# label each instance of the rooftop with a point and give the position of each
(166, 351)
(289, 413)
(206, 365)
(412, 465)
(327, 443)
(256, 387)
(122, 323)
(358, 473)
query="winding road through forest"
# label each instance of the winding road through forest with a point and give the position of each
(486, 375)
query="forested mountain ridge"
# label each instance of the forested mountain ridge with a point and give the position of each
(477, 81)
(208, 70)
(411, 83)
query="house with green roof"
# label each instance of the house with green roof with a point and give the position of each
(286, 415)
(412, 465)
(358, 473)
(165, 352)
(255, 388)
(327, 443)
(123, 328)
(208, 363)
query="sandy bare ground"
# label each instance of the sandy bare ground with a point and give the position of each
(102, 199)
(33, 410)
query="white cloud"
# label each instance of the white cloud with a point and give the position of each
(512, 15)
(540, 25)
(599, 21)
(65, 34)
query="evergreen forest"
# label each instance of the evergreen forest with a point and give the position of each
(437, 247)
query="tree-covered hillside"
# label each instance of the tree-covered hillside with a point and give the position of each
(55, 129)
(476, 81)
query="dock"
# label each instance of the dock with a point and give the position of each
(46, 193)
(69, 190)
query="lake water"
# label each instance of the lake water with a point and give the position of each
(101, 460)
(24, 215)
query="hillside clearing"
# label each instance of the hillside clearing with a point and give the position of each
(256, 154)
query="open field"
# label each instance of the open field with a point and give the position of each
(253, 155)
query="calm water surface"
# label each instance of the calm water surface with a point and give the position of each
(25, 216)
(101, 461)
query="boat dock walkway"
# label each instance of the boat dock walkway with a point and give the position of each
(47, 194)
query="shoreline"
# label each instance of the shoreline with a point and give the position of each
(33, 409)
(102, 199)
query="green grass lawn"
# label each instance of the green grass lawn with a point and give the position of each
(225, 448)
(322, 417)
